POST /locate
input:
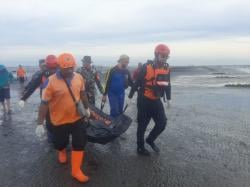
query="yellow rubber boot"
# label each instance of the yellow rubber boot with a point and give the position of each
(76, 162)
(62, 156)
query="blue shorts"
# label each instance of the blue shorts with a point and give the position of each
(4, 94)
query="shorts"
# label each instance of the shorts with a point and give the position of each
(61, 135)
(4, 94)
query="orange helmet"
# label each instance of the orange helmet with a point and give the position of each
(51, 61)
(162, 49)
(66, 60)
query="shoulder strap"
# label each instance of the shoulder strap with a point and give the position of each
(70, 91)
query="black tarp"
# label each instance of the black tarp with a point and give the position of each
(99, 132)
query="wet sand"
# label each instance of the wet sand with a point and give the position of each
(206, 143)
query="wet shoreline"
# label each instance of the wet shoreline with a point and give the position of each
(206, 143)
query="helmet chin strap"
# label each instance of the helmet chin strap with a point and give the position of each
(158, 63)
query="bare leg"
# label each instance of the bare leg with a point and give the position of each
(4, 108)
(8, 105)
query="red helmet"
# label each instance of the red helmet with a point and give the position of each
(51, 61)
(162, 49)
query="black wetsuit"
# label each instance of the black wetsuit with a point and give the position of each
(36, 82)
(149, 108)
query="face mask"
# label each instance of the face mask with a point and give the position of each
(67, 72)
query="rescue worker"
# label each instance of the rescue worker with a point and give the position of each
(152, 83)
(91, 77)
(66, 121)
(118, 79)
(21, 74)
(42, 68)
(5, 80)
(38, 79)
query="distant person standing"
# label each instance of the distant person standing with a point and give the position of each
(137, 71)
(21, 74)
(5, 79)
(152, 83)
(91, 77)
(118, 79)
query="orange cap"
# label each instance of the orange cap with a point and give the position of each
(66, 60)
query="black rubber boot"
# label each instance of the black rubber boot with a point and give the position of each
(143, 151)
(153, 146)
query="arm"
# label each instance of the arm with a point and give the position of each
(44, 106)
(130, 81)
(168, 89)
(98, 83)
(107, 81)
(168, 92)
(134, 75)
(43, 110)
(138, 82)
(32, 85)
(84, 99)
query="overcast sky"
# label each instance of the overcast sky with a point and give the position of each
(197, 32)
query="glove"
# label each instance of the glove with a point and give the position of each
(87, 113)
(168, 103)
(40, 131)
(21, 103)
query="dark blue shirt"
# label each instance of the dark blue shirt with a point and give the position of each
(117, 80)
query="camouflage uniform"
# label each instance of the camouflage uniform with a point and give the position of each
(91, 77)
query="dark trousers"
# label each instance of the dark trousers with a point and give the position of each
(148, 109)
(78, 132)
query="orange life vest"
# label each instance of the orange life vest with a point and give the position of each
(156, 80)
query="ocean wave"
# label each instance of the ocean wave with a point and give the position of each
(238, 84)
(245, 70)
